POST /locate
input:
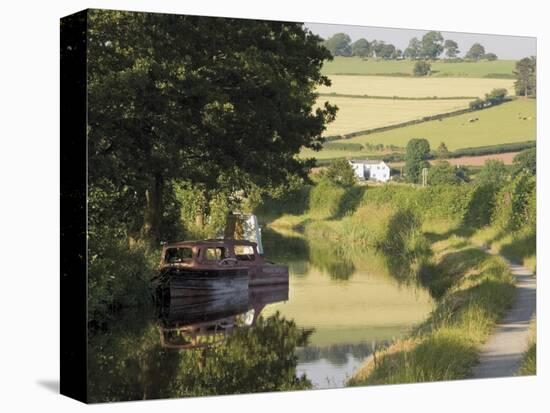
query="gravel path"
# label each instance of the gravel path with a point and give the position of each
(502, 354)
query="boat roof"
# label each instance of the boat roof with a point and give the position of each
(210, 242)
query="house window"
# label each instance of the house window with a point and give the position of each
(177, 255)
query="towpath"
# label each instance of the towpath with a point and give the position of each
(502, 354)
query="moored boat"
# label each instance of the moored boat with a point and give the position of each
(200, 268)
(215, 266)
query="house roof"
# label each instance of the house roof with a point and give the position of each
(369, 161)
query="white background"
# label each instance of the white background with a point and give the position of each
(29, 204)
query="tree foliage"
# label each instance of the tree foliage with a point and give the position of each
(413, 49)
(493, 172)
(476, 52)
(432, 45)
(361, 48)
(222, 103)
(339, 44)
(526, 83)
(451, 49)
(417, 153)
(442, 151)
(525, 161)
(443, 173)
(516, 205)
(422, 68)
(341, 173)
(496, 96)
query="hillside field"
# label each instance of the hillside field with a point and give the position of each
(510, 122)
(414, 87)
(357, 114)
(357, 66)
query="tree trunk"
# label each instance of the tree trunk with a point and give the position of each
(153, 208)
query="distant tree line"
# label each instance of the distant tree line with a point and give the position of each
(430, 47)
(418, 154)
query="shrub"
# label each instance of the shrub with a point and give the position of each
(443, 173)
(341, 173)
(516, 203)
(422, 68)
(481, 205)
(526, 161)
(343, 146)
(493, 173)
(324, 198)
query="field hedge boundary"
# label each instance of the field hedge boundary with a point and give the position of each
(459, 153)
(493, 149)
(343, 95)
(429, 118)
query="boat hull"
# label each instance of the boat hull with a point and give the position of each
(270, 274)
(196, 283)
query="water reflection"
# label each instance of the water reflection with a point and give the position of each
(196, 322)
(352, 299)
(339, 305)
(220, 345)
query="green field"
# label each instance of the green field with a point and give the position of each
(501, 124)
(357, 66)
(362, 114)
(414, 87)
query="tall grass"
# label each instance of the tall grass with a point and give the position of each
(512, 229)
(529, 366)
(445, 346)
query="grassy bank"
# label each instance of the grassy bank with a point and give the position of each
(473, 290)
(429, 236)
(512, 232)
(529, 366)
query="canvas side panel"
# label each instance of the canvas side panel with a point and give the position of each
(73, 206)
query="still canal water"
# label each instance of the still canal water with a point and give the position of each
(349, 299)
(340, 304)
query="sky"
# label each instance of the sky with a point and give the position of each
(504, 46)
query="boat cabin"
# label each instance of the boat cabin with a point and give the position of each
(237, 260)
(208, 253)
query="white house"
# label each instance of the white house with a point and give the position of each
(374, 170)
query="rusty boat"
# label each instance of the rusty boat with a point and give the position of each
(215, 266)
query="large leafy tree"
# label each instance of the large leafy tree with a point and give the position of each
(417, 153)
(360, 48)
(431, 45)
(339, 44)
(387, 51)
(476, 52)
(222, 103)
(451, 49)
(526, 83)
(413, 50)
